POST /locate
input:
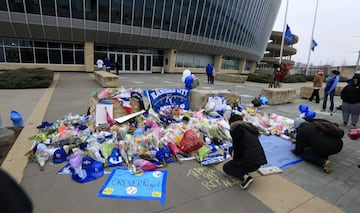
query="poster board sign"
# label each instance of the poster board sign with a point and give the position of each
(163, 98)
(100, 114)
(150, 185)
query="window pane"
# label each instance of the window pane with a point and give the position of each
(2, 58)
(54, 56)
(205, 18)
(54, 45)
(12, 54)
(79, 57)
(27, 55)
(3, 5)
(104, 10)
(79, 46)
(77, 9)
(183, 16)
(11, 42)
(127, 16)
(68, 57)
(116, 11)
(157, 60)
(100, 48)
(40, 44)
(198, 17)
(67, 46)
(138, 13)
(99, 55)
(90, 9)
(176, 13)
(32, 6)
(134, 62)
(148, 63)
(41, 56)
(25, 43)
(191, 17)
(16, 6)
(216, 20)
(167, 15)
(210, 20)
(63, 9)
(158, 14)
(48, 7)
(148, 13)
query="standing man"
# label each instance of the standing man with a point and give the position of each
(209, 72)
(108, 64)
(331, 82)
(117, 66)
(100, 64)
(317, 84)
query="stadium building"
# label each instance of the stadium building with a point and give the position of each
(141, 35)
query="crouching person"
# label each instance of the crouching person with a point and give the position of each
(247, 153)
(314, 145)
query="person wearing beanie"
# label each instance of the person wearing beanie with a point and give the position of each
(247, 152)
(350, 106)
(313, 145)
(317, 84)
(331, 82)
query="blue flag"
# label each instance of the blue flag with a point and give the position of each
(288, 35)
(313, 45)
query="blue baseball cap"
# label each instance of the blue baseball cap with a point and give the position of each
(96, 169)
(91, 170)
(59, 155)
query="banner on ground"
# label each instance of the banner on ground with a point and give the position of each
(163, 98)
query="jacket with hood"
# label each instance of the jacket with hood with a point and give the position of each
(248, 151)
(351, 92)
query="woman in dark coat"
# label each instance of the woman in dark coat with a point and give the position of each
(350, 96)
(248, 154)
(315, 146)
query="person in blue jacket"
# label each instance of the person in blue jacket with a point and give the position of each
(331, 82)
(209, 72)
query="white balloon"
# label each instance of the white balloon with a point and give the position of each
(185, 74)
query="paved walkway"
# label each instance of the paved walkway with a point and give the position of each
(300, 188)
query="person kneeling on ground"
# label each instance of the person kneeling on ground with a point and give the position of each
(247, 154)
(313, 145)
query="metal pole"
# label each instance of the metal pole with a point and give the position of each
(283, 35)
(312, 38)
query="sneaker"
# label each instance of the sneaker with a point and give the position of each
(247, 182)
(343, 124)
(327, 166)
(353, 126)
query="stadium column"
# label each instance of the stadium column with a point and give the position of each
(252, 66)
(169, 60)
(89, 57)
(242, 63)
(217, 63)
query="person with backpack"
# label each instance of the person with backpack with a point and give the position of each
(316, 140)
(247, 152)
(350, 106)
(331, 82)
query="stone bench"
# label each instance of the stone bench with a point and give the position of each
(305, 92)
(106, 79)
(236, 78)
(199, 97)
(279, 95)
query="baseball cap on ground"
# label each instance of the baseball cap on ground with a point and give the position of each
(59, 155)
(91, 170)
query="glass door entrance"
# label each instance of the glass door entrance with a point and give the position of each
(130, 62)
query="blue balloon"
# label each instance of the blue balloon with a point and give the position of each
(303, 108)
(310, 114)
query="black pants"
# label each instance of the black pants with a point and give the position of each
(315, 94)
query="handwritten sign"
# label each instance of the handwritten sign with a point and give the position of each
(209, 178)
(149, 185)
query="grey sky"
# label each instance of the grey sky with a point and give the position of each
(337, 30)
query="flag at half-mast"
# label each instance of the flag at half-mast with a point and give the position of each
(288, 35)
(313, 45)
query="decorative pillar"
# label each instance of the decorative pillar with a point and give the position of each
(252, 66)
(89, 57)
(217, 63)
(169, 60)
(242, 63)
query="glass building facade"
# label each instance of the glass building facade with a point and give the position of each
(136, 33)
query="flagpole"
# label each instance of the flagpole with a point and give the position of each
(312, 38)
(283, 35)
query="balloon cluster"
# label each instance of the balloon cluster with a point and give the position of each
(306, 112)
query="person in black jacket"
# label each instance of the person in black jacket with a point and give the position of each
(350, 106)
(248, 154)
(314, 146)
